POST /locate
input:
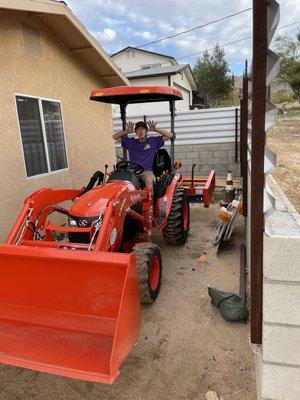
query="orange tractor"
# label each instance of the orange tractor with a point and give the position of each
(77, 263)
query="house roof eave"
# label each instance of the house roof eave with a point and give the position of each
(171, 58)
(70, 30)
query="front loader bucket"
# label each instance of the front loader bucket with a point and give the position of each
(72, 313)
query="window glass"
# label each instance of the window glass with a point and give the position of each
(55, 135)
(42, 135)
(32, 135)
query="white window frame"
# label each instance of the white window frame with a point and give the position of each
(150, 66)
(40, 99)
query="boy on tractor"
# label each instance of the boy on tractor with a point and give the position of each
(142, 148)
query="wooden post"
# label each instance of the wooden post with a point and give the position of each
(257, 164)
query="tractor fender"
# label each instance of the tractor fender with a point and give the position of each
(164, 203)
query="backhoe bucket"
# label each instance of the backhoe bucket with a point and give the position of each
(71, 313)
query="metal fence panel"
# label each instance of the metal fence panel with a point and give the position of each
(209, 126)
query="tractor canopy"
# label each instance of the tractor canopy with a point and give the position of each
(125, 95)
(136, 94)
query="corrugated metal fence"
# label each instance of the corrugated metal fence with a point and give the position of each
(208, 126)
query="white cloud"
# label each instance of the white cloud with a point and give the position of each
(106, 36)
(146, 35)
(119, 23)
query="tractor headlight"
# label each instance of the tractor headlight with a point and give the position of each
(72, 222)
(77, 222)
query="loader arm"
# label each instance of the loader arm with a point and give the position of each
(33, 208)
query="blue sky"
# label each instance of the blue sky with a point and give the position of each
(120, 23)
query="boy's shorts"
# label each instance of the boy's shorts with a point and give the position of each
(146, 174)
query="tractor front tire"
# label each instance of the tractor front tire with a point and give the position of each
(177, 228)
(149, 270)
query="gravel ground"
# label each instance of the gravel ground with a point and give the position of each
(185, 348)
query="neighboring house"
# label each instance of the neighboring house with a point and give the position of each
(143, 67)
(52, 135)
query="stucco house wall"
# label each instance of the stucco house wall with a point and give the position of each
(59, 75)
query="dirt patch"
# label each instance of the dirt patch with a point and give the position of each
(185, 348)
(284, 140)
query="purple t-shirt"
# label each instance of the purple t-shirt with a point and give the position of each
(142, 153)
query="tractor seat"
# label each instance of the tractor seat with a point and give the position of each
(125, 176)
(161, 162)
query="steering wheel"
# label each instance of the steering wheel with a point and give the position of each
(137, 169)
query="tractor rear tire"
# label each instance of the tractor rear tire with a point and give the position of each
(149, 270)
(177, 228)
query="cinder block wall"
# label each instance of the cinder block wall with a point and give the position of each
(278, 365)
(218, 156)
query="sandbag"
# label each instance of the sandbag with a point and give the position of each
(217, 296)
(234, 309)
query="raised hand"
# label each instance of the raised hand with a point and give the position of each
(151, 125)
(130, 127)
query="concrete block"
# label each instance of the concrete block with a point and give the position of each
(187, 161)
(280, 382)
(192, 154)
(281, 258)
(178, 148)
(231, 153)
(206, 167)
(221, 173)
(221, 161)
(281, 303)
(183, 160)
(281, 344)
(215, 146)
(231, 160)
(181, 156)
(220, 153)
(258, 363)
(196, 170)
(197, 162)
(230, 146)
(188, 147)
(234, 167)
(282, 202)
(206, 154)
(211, 160)
(284, 224)
(183, 169)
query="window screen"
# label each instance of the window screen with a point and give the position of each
(42, 135)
